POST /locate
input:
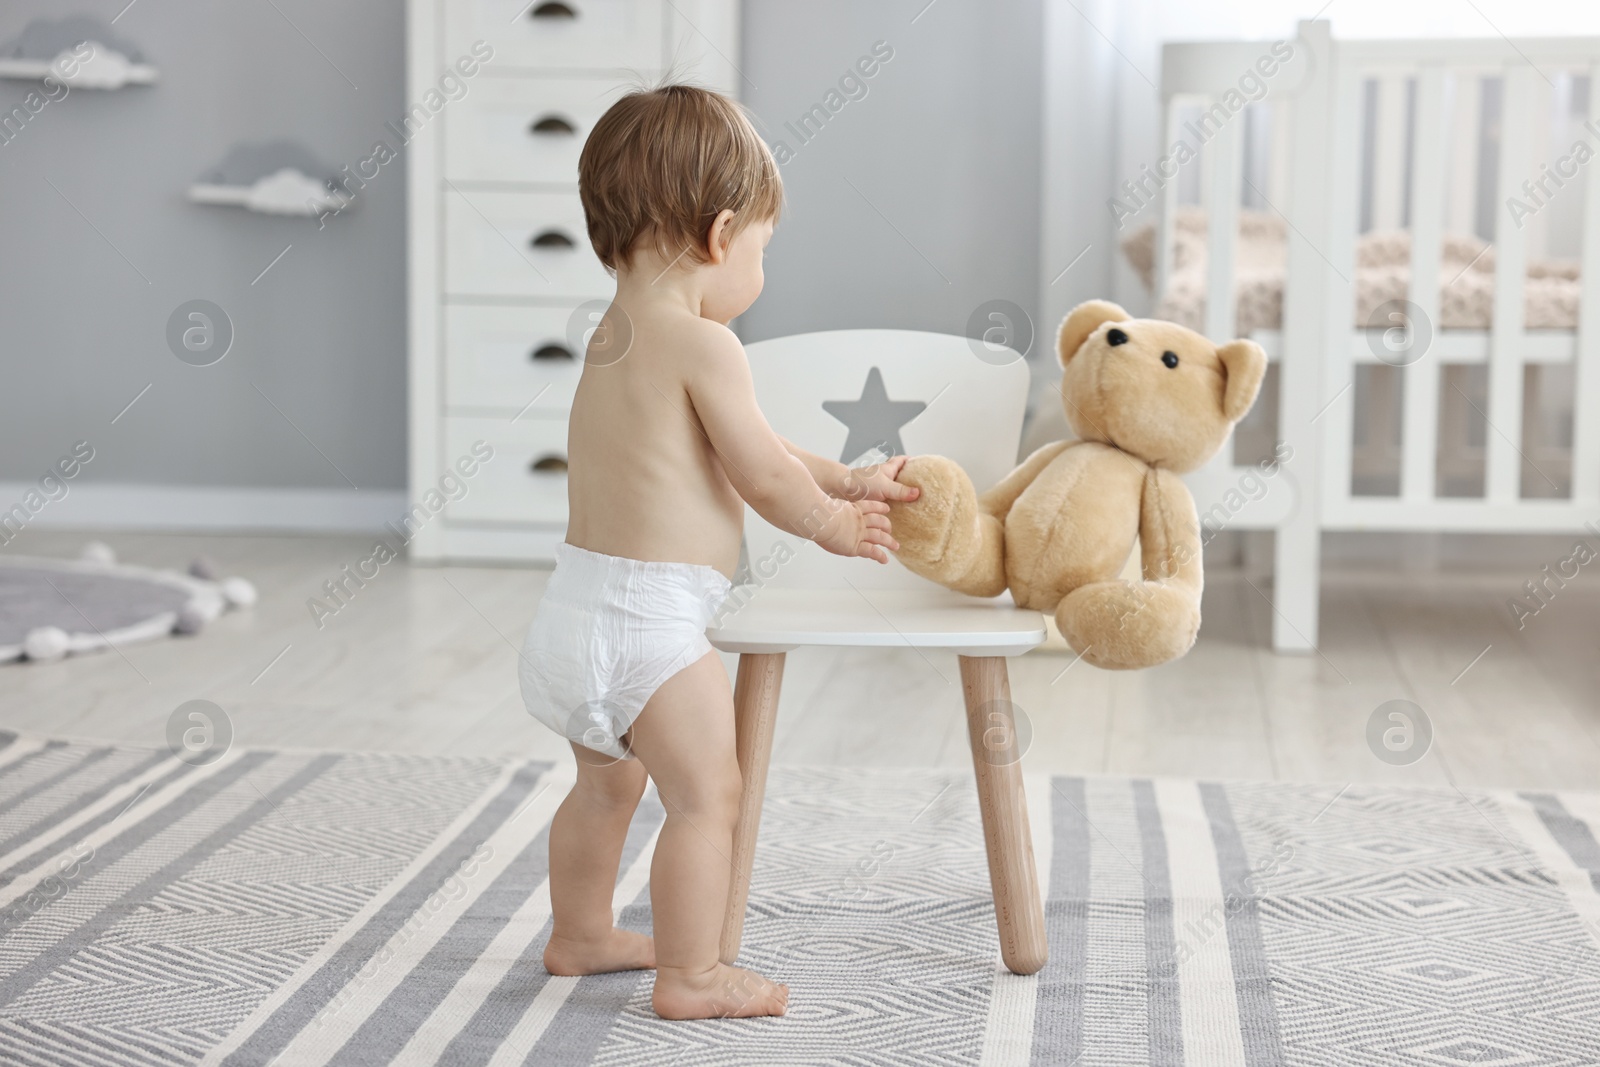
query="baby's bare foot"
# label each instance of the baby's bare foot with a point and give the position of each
(618, 950)
(721, 993)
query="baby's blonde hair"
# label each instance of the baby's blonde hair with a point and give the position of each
(662, 163)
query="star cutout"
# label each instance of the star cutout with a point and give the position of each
(874, 419)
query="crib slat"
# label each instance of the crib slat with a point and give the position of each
(1297, 551)
(1336, 420)
(1389, 153)
(1541, 124)
(1465, 137)
(1420, 433)
(1586, 396)
(1224, 171)
(1503, 441)
(1278, 168)
(1224, 187)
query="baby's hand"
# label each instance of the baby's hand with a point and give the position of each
(878, 483)
(857, 528)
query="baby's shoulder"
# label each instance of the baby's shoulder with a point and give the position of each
(692, 331)
(692, 344)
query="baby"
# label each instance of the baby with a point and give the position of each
(666, 446)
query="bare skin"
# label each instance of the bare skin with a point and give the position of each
(685, 738)
(666, 445)
(586, 838)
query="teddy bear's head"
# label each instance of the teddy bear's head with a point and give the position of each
(1156, 390)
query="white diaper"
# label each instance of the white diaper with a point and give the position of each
(608, 632)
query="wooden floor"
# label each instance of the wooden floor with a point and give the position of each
(424, 660)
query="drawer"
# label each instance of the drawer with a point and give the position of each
(520, 244)
(525, 481)
(503, 357)
(525, 129)
(559, 34)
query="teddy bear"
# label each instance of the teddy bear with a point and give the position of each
(1148, 400)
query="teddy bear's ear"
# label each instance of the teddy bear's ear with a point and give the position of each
(1083, 320)
(1246, 365)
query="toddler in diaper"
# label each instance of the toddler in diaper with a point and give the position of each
(665, 448)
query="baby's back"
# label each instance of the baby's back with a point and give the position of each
(643, 479)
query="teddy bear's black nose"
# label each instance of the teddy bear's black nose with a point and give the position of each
(1115, 336)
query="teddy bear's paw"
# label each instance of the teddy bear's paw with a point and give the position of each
(924, 526)
(1120, 625)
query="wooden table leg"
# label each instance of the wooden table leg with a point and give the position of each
(991, 729)
(755, 713)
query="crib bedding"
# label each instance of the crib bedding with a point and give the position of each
(1383, 273)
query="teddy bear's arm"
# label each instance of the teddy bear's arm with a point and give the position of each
(944, 535)
(1169, 533)
(998, 500)
(1125, 625)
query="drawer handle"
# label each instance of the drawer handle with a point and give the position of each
(553, 9)
(551, 464)
(552, 125)
(553, 239)
(549, 352)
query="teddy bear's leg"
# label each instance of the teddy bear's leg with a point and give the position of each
(944, 535)
(1122, 625)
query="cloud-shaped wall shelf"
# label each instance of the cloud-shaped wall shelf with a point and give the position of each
(274, 178)
(79, 52)
(283, 192)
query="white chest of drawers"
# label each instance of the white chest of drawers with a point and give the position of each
(499, 263)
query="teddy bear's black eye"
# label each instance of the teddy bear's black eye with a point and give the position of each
(1170, 358)
(1115, 336)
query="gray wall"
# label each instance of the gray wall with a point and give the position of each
(944, 149)
(944, 144)
(322, 333)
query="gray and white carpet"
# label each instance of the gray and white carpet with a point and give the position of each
(353, 908)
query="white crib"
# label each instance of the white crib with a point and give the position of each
(1354, 137)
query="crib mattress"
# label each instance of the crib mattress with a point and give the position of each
(1383, 273)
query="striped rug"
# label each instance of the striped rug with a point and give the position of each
(358, 908)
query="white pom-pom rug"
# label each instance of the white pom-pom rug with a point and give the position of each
(50, 608)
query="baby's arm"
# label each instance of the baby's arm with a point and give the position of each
(876, 482)
(778, 484)
(828, 474)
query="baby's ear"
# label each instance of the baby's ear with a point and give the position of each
(719, 237)
(1083, 320)
(1246, 365)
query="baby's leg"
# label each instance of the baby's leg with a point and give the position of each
(586, 838)
(684, 737)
